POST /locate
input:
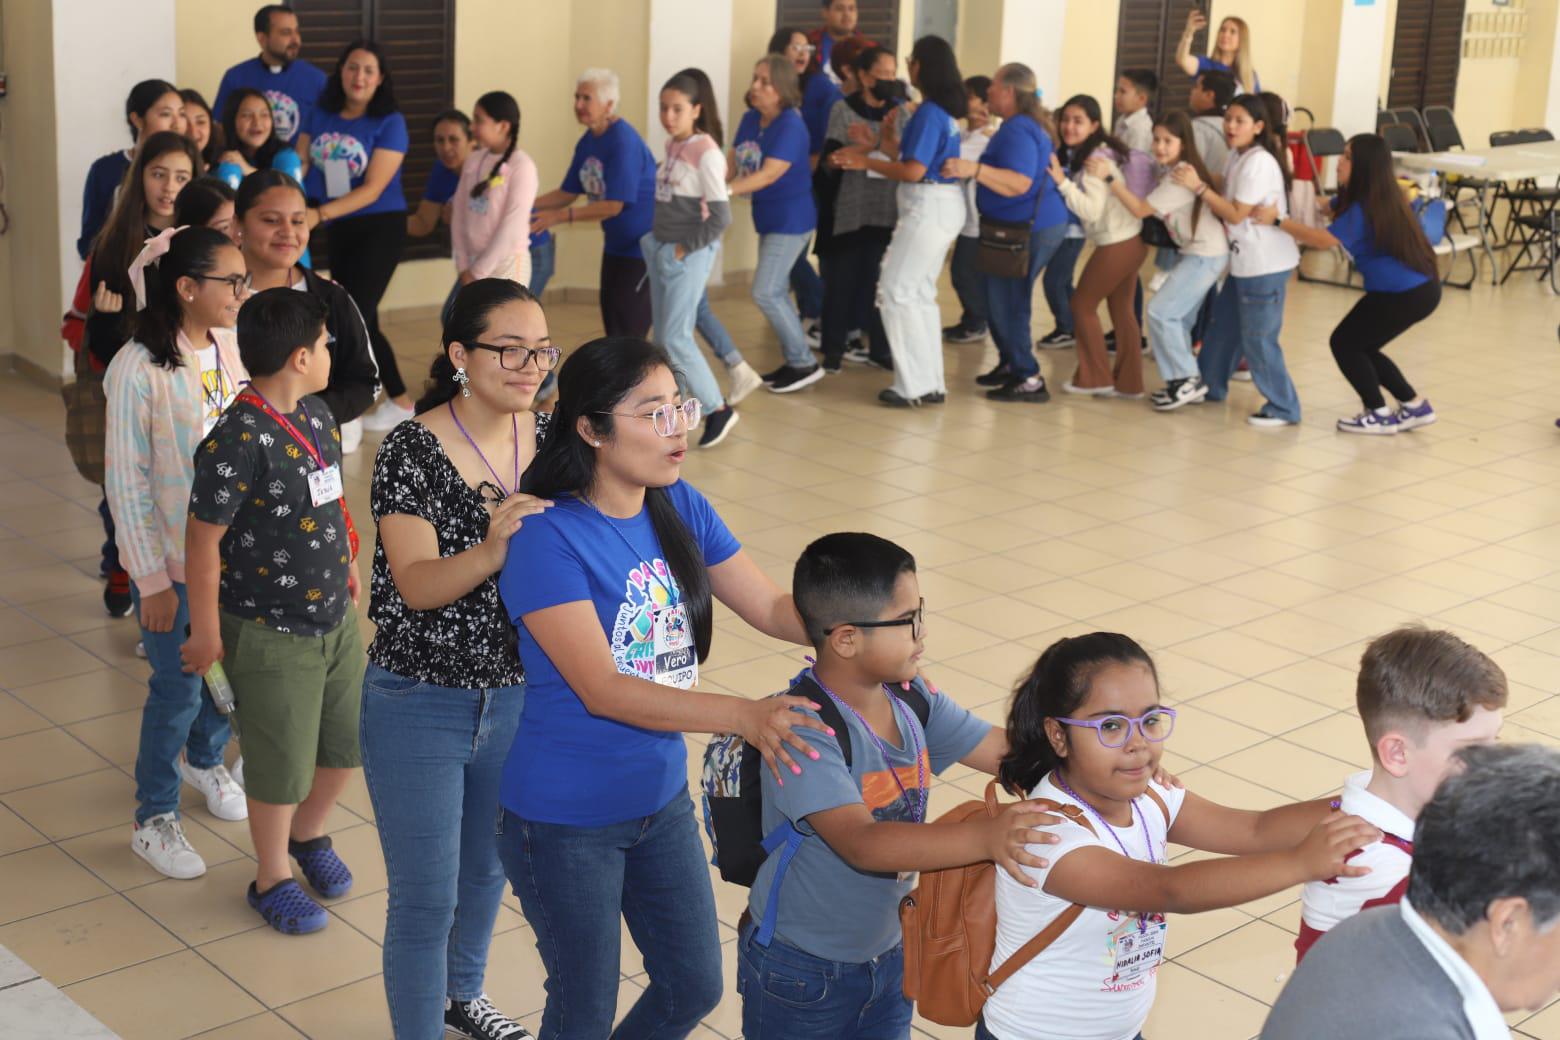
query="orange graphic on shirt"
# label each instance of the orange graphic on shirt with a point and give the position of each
(882, 795)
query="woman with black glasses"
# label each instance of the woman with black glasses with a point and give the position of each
(444, 687)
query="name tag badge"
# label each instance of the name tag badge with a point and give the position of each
(338, 178)
(1136, 947)
(676, 657)
(663, 189)
(325, 485)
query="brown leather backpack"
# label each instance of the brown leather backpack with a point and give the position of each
(950, 926)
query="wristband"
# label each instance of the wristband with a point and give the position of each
(1202, 189)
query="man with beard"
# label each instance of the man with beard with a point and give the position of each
(291, 86)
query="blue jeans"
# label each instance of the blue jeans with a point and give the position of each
(1058, 282)
(544, 261)
(177, 714)
(807, 285)
(715, 334)
(676, 287)
(1173, 311)
(576, 883)
(788, 994)
(1247, 316)
(777, 257)
(1010, 302)
(432, 759)
(969, 283)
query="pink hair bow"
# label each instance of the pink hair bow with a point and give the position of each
(152, 252)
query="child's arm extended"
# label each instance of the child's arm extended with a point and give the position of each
(1096, 876)
(1206, 825)
(202, 569)
(884, 846)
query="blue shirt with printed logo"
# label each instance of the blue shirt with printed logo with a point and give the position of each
(616, 166)
(292, 90)
(354, 141)
(931, 138)
(785, 207)
(566, 765)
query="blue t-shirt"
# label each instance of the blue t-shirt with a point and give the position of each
(292, 91)
(1381, 272)
(818, 98)
(1207, 64)
(97, 197)
(931, 138)
(354, 141)
(442, 183)
(786, 206)
(1021, 145)
(566, 765)
(826, 906)
(616, 166)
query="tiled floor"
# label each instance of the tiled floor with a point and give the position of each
(1255, 563)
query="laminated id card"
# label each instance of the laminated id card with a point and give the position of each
(676, 656)
(325, 485)
(338, 178)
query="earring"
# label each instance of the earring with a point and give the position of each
(465, 382)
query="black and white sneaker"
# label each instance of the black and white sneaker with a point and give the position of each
(857, 353)
(770, 377)
(999, 376)
(814, 332)
(795, 378)
(717, 425)
(1031, 391)
(1179, 392)
(962, 333)
(480, 1020)
(1056, 339)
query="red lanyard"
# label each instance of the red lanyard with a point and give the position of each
(312, 446)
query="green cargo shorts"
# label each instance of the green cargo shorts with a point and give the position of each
(296, 700)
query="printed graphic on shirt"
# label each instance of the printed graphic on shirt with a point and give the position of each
(890, 800)
(593, 178)
(749, 157)
(1133, 950)
(633, 630)
(216, 393)
(285, 116)
(333, 144)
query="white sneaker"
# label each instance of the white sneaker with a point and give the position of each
(386, 417)
(744, 380)
(1090, 391)
(1157, 282)
(140, 649)
(161, 842)
(1241, 375)
(224, 797)
(351, 436)
(238, 770)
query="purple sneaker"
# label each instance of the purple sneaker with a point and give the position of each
(1370, 423)
(1412, 418)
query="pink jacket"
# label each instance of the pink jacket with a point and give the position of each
(154, 426)
(490, 235)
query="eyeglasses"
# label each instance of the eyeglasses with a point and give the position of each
(664, 418)
(1114, 730)
(916, 621)
(516, 358)
(239, 283)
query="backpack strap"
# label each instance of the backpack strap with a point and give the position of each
(917, 701)
(1051, 932)
(787, 839)
(829, 712)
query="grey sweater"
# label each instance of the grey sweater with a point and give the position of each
(1370, 978)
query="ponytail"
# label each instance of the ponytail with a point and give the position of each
(191, 252)
(501, 107)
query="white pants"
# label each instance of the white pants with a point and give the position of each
(930, 218)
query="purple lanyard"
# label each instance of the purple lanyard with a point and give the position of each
(902, 716)
(515, 422)
(1148, 839)
(672, 596)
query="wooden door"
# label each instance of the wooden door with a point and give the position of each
(1146, 38)
(1426, 52)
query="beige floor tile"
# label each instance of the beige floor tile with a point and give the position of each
(1203, 736)
(353, 1012)
(44, 756)
(41, 660)
(1297, 772)
(17, 718)
(106, 853)
(281, 969)
(174, 996)
(78, 805)
(16, 834)
(1256, 959)
(102, 691)
(209, 908)
(116, 737)
(88, 939)
(268, 1026)
(1262, 707)
(1190, 1006)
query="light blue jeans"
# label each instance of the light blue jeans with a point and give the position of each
(1247, 316)
(676, 287)
(1173, 311)
(777, 254)
(715, 334)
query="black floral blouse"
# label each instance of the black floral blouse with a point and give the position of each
(468, 644)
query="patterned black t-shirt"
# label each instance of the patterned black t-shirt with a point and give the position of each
(468, 644)
(284, 561)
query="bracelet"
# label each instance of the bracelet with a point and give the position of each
(1202, 189)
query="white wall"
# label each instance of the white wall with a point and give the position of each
(1033, 32)
(1362, 33)
(686, 33)
(99, 54)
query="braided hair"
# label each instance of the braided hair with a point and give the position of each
(501, 107)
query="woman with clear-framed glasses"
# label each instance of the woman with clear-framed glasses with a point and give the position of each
(612, 592)
(443, 692)
(1086, 730)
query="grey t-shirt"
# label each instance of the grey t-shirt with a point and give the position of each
(827, 907)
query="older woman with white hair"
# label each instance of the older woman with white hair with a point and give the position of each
(614, 170)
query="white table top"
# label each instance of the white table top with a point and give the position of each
(1516, 162)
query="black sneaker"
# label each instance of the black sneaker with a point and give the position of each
(116, 595)
(717, 425)
(857, 354)
(999, 376)
(935, 397)
(1031, 390)
(796, 378)
(480, 1020)
(814, 333)
(894, 399)
(1056, 339)
(832, 365)
(1179, 392)
(1110, 341)
(885, 362)
(770, 377)
(962, 333)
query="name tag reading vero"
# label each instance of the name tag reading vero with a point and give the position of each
(676, 657)
(325, 485)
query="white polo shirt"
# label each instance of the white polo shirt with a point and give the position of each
(1323, 904)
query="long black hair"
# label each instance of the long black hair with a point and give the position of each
(593, 381)
(1074, 158)
(1054, 689)
(937, 76)
(124, 233)
(257, 184)
(214, 145)
(1178, 124)
(260, 158)
(142, 97)
(334, 97)
(199, 200)
(501, 107)
(1373, 186)
(698, 92)
(1267, 137)
(467, 322)
(192, 252)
